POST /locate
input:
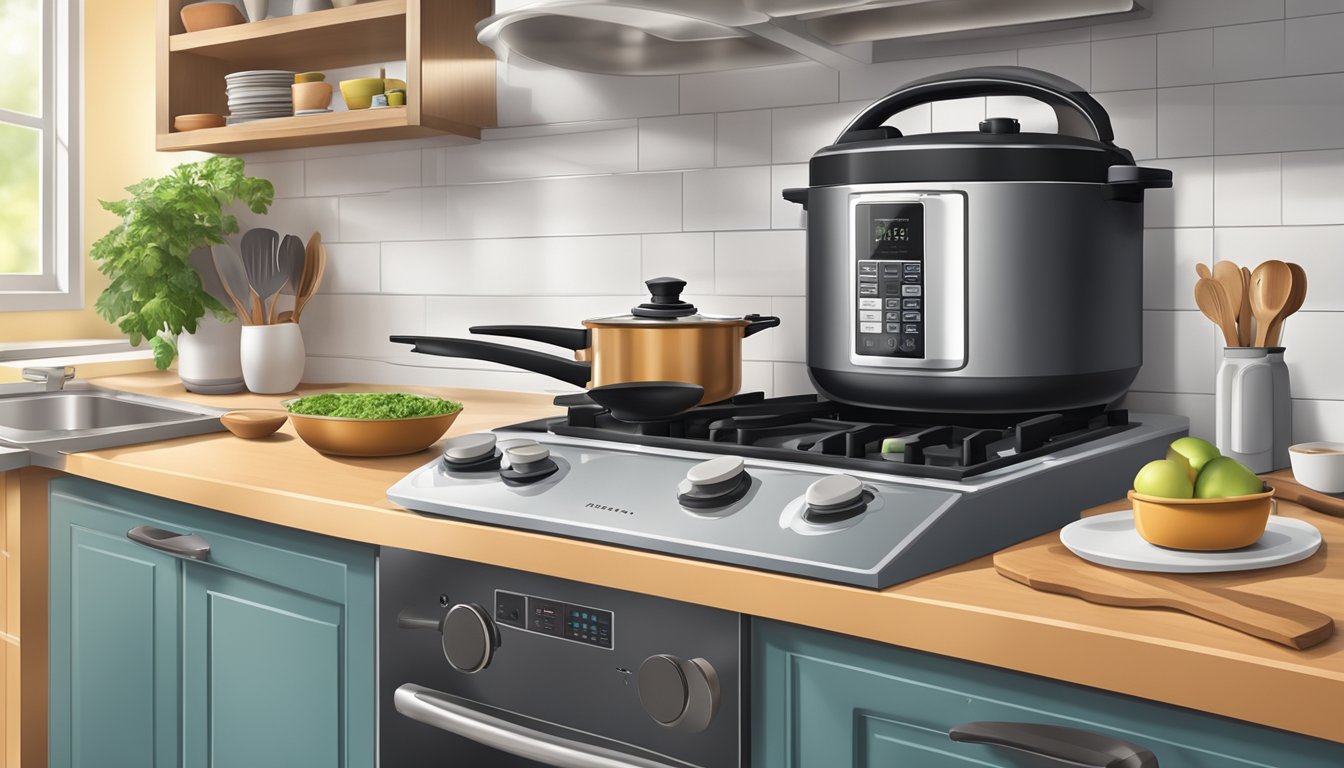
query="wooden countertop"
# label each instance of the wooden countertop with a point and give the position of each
(967, 612)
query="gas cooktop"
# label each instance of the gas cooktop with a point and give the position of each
(793, 485)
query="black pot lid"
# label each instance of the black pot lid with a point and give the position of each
(666, 308)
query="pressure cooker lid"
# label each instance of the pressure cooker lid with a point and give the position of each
(665, 307)
(869, 151)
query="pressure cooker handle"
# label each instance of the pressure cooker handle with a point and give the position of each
(1077, 113)
(569, 371)
(1067, 746)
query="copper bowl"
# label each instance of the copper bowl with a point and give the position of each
(370, 438)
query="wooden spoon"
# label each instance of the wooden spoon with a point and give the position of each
(1202, 270)
(1249, 334)
(1228, 275)
(1271, 291)
(1299, 296)
(315, 267)
(1213, 302)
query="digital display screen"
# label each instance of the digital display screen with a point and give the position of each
(891, 231)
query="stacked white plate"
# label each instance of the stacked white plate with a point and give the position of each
(259, 94)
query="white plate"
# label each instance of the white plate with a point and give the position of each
(1111, 540)
(258, 73)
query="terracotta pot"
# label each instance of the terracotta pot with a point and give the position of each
(315, 95)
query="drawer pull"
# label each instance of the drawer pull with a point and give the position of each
(190, 546)
(1069, 746)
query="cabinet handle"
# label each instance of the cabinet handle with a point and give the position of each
(436, 709)
(191, 546)
(1069, 746)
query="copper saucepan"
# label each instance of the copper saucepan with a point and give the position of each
(664, 339)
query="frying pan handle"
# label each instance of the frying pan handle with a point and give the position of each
(758, 323)
(568, 371)
(569, 338)
(1078, 114)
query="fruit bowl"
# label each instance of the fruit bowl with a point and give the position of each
(1206, 525)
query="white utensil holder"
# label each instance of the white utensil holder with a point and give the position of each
(1283, 408)
(1245, 407)
(273, 357)
(209, 361)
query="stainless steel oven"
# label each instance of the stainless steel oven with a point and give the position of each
(485, 666)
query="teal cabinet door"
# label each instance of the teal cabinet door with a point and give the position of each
(114, 643)
(261, 654)
(826, 701)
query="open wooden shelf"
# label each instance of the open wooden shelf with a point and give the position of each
(450, 77)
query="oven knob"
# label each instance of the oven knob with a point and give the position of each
(835, 498)
(679, 694)
(469, 638)
(471, 453)
(714, 483)
(528, 463)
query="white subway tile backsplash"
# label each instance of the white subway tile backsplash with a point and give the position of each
(1134, 118)
(1313, 187)
(351, 268)
(1312, 341)
(1314, 7)
(1317, 249)
(300, 216)
(784, 214)
(870, 82)
(1200, 409)
(1248, 52)
(1185, 58)
(743, 138)
(1173, 15)
(1071, 62)
(800, 131)
(756, 88)
(788, 342)
(1189, 203)
(359, 325)
(674, 143)
(537, 266)
(403, 214)
(1279, 115)
(1247, 190)
(1315, 420)
(285, 175)
(581, 205)
(958, 115)
(1311, 45)
(1034, 116)
(727, 198)
(1169, 259)
(359, 174)
(610, 150)
(530, 94)
(792, 379)
(758, 376)
(1185, 121)
(1178, 353)
(1124, 64)
(760, 263)
(688, 255)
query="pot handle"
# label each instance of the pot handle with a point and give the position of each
(569, 338)
(1077, 112)
(1127, 182)
(758, 323)
(569, 371)
(797, 195)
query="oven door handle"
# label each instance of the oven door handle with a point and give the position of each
(433, 708)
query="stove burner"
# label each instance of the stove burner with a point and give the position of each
(810, 430)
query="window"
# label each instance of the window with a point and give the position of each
(40, 236)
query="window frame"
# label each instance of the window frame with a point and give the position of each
(59, 285)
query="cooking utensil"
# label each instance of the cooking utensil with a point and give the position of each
(664, 339)
(258, 250)
(233, 277)
(1296, 299)
(999, 321)
(290, 261)
(647, 401)
(1213, 301)
(1050, 567)
(253, 424)
(1271, 292)
(370, 437)
(203, 262)
(314, 268)
(1228, 275)
(1203, 270)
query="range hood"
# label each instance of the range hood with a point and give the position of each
(661, 37)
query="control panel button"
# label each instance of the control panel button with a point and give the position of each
(867, 268)
(908, 303)
(868, 289)
(469, 638)
(870, 327)
(908, 345)
(913, 268)
(469, 448)
(836, 490)
(716, 471)
(870, 303)
(528, 462)
(912, 290)
(893, 317)
(911, 317)
(527, 454)
(893, 327)
(894, 303)
(910, 328)
(714, 484)
(870, 316)
(678, 693)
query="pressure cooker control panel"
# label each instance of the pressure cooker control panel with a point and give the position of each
(576, 623)
(889, 280)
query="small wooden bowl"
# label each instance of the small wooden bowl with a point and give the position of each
(371, 438)
(199, 16)
(184, 123)
(251, 425)
(1205, 525)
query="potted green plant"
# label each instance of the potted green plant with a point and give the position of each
(155, 293)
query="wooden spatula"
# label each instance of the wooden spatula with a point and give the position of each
(1212, 300)
(1228, 275)
(1052, 568)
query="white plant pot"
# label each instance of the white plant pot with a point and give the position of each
(209, 361)
(272, 358)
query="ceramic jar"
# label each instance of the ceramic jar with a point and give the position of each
(311, 96)
(1244, 403)
(272, 357)
(209, 361)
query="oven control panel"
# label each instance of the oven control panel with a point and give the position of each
(891, 304)
(544, 616)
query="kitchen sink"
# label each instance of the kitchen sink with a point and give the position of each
(82, 418)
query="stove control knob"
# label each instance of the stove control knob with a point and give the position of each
(835, 497)
(528, 463)
(679, 694)
(469, 638)
(522, 455)
(471, 452)
(714, 483)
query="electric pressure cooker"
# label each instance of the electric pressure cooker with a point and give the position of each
(976, 272)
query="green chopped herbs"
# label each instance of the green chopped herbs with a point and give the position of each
(378, 405)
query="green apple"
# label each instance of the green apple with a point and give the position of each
(1194, 453)
(1225, 476)
(1165, 479)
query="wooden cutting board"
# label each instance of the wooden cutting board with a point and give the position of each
(1051, 567)
(1288, 489)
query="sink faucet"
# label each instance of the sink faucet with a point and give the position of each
(54, 377)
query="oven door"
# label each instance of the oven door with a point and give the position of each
(485, 666)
